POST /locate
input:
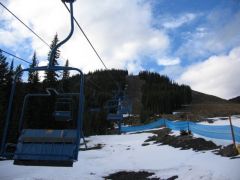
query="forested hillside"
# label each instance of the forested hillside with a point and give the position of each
(162, 95)
(235, 100)
(158, 94)
(99, 87)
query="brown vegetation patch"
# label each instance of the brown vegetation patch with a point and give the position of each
(186, 141)
(95, 147)
(228, 151)
(131, 175)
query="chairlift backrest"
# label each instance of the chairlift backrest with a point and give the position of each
(63, 109)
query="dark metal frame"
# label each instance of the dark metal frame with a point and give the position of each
(50, 67)
(25, 101)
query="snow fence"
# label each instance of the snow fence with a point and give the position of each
(211, 131)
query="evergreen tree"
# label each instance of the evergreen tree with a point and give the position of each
(162, 95)
(51, 76)
(66, 72)
(18, 69)
(3, 89)
(3, 70)
(11, 70)
(33, 77)
(10, 76)
(32, 114)
(65, 79)
(4, 84)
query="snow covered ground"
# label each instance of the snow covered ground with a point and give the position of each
(223, 121)
(125, 153)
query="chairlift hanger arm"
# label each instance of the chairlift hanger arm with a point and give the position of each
(69, 35)
(68, 1)
(88, 40)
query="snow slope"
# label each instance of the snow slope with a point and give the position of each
(223, 121)
(124, 152)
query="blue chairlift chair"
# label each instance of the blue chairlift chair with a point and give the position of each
(63, 109)
(114, 114)
(45, 142)
(121, 106)
(116, 118)
(51, 147)
(95, 109)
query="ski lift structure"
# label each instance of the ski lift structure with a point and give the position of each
(48, 147)
(63, 109)
(117, 107)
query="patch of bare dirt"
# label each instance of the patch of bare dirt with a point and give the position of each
(131, 175)
(187, 141)
(95, 147)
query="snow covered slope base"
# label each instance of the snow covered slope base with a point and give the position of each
(126, 153)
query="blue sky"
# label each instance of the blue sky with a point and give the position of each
(209, 16)
(195, 42)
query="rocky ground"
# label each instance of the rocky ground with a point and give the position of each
(186, 141)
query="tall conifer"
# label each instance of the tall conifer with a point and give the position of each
(66, 72)
(33, 77)
(3, 70)
(51, 76)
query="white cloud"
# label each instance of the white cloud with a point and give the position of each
(134, 67)
(218, 75)
(172, 23)
(167, 61)
(173, 72)
(217, 35)
(7, 38)
(121, 31)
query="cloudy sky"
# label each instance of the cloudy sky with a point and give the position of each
(196, 42)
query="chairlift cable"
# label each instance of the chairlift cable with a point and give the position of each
(30, 29)
(96, 87)
(94, 49)
(15, 56)
(87, 38)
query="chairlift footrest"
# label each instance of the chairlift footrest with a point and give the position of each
(43, 163)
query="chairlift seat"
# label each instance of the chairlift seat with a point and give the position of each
(46, 147)
(114, 117)
(62, 115)
(124, 110)
(95, 109)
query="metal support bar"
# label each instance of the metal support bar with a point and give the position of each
(6, 126)
(24, 105)
(39, 95)
(232, 131)
(68, 1)
(53, 52)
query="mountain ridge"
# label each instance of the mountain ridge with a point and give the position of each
(200, 97)
(235, 99)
